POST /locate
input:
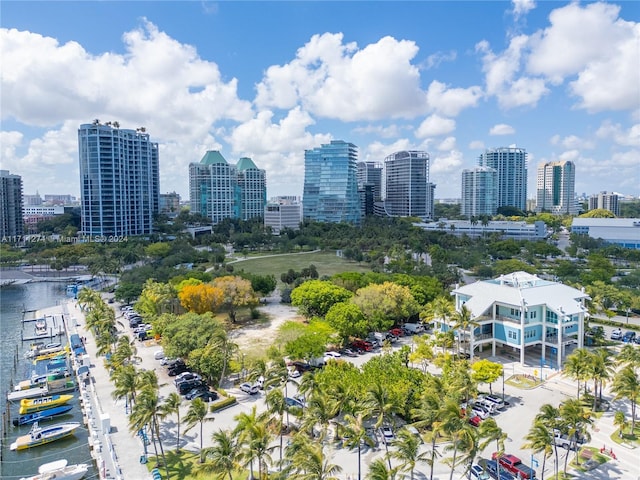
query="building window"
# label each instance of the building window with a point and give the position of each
(533, 314)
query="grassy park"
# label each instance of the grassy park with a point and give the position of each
(327, 264)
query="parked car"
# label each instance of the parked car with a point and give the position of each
(616, 334)
(413, 328)
(293, 373)
(480, 411)
(492, 469)
(362, 345)
(499, 402)
(193, 391)
(637, 340)
(478, 473)
(387, 434)
(629, 337)
(414, 430)
(292, 402)
(396, 332)
(205, 395)
(184, 376)
(489, 406)
(177, 369)
(331, 356)
(186, 387)
(301, 366)
(249, 388)
(158, 354)
(475, 421)
(348, 352)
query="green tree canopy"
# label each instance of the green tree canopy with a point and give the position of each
(316, 297)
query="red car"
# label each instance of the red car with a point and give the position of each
(362, 345)
(396, 332)
(475, 421)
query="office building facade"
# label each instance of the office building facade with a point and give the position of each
(11, 223)
(330, 191)
(283, 212)
(407, 191)
(119, 180)
(511, 165)
(479, 192)
(219, 190)
(556, 188)
(605, 201)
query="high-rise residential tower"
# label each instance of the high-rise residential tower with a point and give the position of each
(220, 190)
(119, 180)
(253, 189)
(407, 191)
(479, 192)
(605, 201)
(511, 165)
(556, 188)
(11, 223)
(330, 183)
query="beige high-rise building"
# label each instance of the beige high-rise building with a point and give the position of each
(555, 188)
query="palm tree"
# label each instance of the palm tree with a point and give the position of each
(462, 322)
(378, 471)
(576, 366)
(549, 417)
(427, 415)
(620, 421)
(380, 406)
(146, 411)
(197, 413)
(223, 454)
(489, 431)
(356, 434)
(574, 419)
(626, 384)
(170, 406)
(276, 405)
(245, 427)
(226, 347)
(320, 410)
(440, 308)
(629, 355)
(407, 451)
(601, 369)
(455, 427)
(539, 439)
(310, 463)
(125, 384)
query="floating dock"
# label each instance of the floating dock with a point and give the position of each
(49, 326)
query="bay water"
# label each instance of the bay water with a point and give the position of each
(18, 302)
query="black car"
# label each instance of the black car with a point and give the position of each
(205, 395)
(177, 370)
(194, 391)
(186, 387)
(628, 337)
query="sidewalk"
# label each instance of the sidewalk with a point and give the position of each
(117, 451)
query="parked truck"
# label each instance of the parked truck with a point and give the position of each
(512, 464)
(413, 328)
(567, 441)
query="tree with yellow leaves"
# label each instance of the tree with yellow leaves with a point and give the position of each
(236, 293)
(200, 298)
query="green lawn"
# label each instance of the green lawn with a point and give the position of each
(327, 263)
(183, 466)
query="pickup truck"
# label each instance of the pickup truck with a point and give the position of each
(566, 441)
(512, 464)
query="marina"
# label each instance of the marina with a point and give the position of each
(42, 365)
(60, 470)
(41, 435)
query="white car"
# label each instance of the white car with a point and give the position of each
(293, 373)
(480, 411)
(249, 388)
(387, 434)
(332, 355)
(158, 354)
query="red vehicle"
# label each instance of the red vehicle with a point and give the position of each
(513, 464)
(396, 332)
(475, 421)
(362, 345)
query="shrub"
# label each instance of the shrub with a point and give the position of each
(222, 404)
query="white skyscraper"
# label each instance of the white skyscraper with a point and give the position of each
(479, 192)
(511, 164)
(556, 188)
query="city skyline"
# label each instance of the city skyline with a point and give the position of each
(453, 81)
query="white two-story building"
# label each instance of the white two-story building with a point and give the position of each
(521, 313)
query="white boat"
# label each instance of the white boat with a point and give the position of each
(59, 470)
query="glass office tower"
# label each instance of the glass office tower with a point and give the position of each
(330, 183)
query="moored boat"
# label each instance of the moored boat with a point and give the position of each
(41, 435)
(42, 349)
(47, 414)
(58, 354)
(39, 391)
(59, 470)
(30, 405)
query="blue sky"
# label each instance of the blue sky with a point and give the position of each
(268, 80)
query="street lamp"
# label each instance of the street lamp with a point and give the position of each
(503, 383)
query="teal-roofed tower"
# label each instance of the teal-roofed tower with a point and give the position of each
(331, 184)
(253, 189)
(219, 190)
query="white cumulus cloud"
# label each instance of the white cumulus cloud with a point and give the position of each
(502, 129)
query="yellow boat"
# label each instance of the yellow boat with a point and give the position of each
(62, 353)
(30, 405)
(40, 435)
